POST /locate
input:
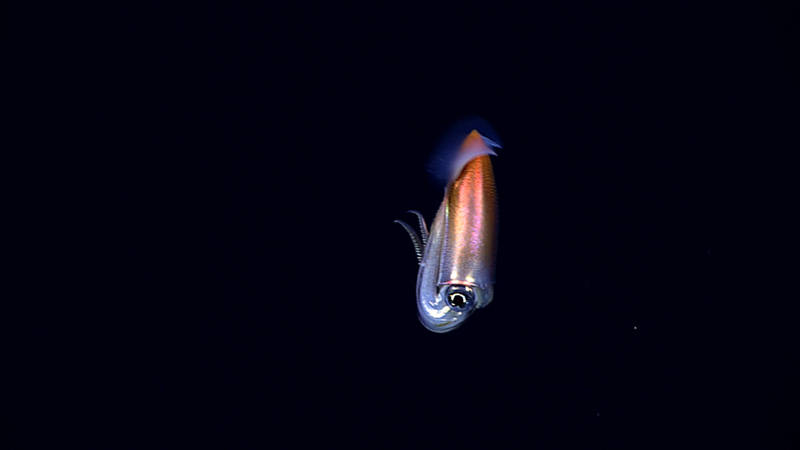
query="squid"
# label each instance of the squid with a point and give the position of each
(457, 257)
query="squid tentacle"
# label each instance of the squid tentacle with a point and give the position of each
(423, 228)
(415, 239)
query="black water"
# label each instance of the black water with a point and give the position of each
(246, 284)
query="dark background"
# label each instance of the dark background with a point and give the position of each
(233, 174)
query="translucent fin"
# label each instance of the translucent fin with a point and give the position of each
(474, 145)
(464, 142)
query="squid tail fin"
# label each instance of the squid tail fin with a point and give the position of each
(463, 143)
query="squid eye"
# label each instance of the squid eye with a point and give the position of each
(457, 300)
(459, 297)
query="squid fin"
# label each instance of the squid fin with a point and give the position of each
(461, 144)
(474, 145)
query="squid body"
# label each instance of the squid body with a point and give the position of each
(456, 258)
